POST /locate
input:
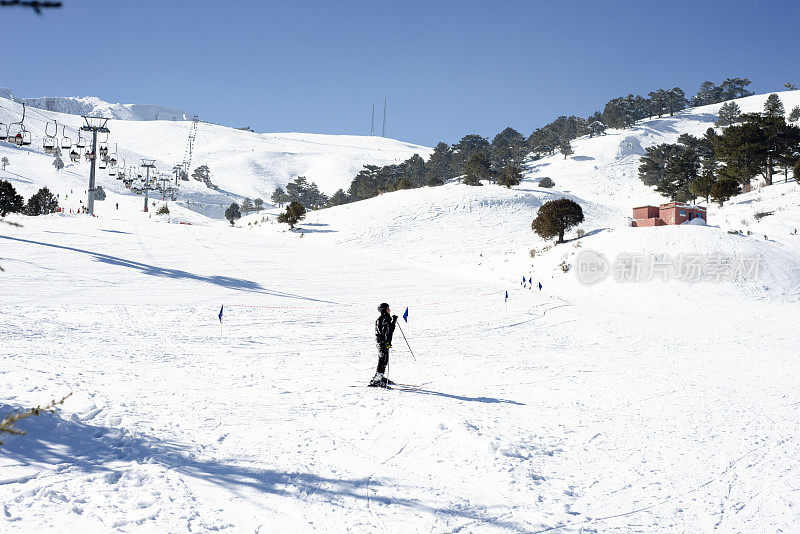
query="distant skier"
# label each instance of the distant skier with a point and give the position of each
(384, 328)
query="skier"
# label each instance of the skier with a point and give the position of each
(384, 328)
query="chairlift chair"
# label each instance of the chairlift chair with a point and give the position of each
(103, 150)
(80, 143)
(17, 134)
(74, 155)
(25, 138)
(3, 131)
(49, 142)
(102, 163)
(66, 142)
(49, 146)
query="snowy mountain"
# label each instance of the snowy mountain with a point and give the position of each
(90, 105)
(217, 372)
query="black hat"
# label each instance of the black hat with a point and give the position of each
(383, 307)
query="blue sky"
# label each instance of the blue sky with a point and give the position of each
(447, 68)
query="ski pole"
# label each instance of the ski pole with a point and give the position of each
(409, 346)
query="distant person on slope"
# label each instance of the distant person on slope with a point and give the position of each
(384, 328)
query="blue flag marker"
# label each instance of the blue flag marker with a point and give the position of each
(220, 314)
(530, 281)
(540, 286)
(405, 315)
(506, 296)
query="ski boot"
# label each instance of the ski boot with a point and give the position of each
(379, 381)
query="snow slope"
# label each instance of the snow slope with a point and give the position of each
(615, 407)
(242, 163)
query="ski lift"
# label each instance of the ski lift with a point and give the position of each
(21, 137)
(74, 155)
(89, 155)
(112, 160)
(49, 142)
(3, 131)
(80, 143)
(103, 150)
(66, 142)
(17, 133)
(112, 172)
(102, 163)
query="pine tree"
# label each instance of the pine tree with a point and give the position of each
(10, 201)
(708, 93)
(202, 174)
(794, 115)
(796, 171)
(338, 198)
(658, 101)
(729, 114)
(701, 185)
(259, 204)
(618, 113)
(295, 212)
(773, 107)
(596, 128)
(247, 206)
(735, 88)
(790, 86)
(438, 168)
(5, 162)
(42, 203)
(741, 149)
(566, 148)
(478, 169)
(233, 213)
(556, 217)
(414, 170)
(680, 172)
(279, 197)
(465, 149)
(58, 163)
(653, 166)
(508, 147)
(724, 189)
(511, 176)
(675, 100)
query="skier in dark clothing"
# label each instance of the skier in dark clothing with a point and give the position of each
(384, 328)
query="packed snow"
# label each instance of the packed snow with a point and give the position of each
(616, 406)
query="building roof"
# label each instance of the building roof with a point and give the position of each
(681, 205)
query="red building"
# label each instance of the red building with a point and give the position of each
(669, 213)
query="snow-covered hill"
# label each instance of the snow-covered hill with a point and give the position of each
(91, 105)
(242, 163)
(620, 406)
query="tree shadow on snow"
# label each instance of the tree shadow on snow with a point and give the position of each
(69, 445)
(487, 400)
(238, 284)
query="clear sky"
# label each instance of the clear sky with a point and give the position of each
(447, 68)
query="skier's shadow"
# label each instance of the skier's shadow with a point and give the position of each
(487, 400)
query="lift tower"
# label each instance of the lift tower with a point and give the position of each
(147, 164)
(94, 125)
